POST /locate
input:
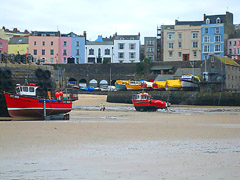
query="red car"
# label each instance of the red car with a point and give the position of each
(143, 102)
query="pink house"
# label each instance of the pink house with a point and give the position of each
(3, 46)
(64, 48)
(234, 48)
(45, 46)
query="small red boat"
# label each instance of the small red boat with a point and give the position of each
(25, 103)
(143, 102)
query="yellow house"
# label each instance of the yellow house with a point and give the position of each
(18, 45)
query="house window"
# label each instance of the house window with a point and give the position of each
(170, 45)
(194, 44)
(194, 35)
(150, 57)
(43, 43)
(65, 43)
(217, 30)
(35, 52)
(51, 60)
(206, 39)
(64, 60)
(51, 43)
(51, 52)
(64, 52)
(121, 55)
(217, 38)
(131, 46)
(180, 44)
(77, 43)
(107, 51)
(207, 21)
(35, 43)
(179, 35)
(218, 20)
(43, 52)
(206, 30)
(170, 54)
(180, 54)
(132, 55)
(170, 35)
(91, 51)
(235, 43)
(235, 51)
(206, 48)
(77, 52)
(120, 46)
(230, 43)
(99, 52)
(150, 42)
(149, 49)
(194, 53)
(217, 47)
(77, 59)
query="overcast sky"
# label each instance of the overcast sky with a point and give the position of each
(105, 17)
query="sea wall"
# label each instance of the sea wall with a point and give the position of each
(181, 97)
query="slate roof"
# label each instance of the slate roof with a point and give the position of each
(18, 40)
(214, 17)
(191, 23)
(127, 37)
(163, 77)
(184, 71)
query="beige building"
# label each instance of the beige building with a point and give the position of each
(183, 42)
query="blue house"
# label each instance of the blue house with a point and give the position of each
(78, 47)
(215, 32)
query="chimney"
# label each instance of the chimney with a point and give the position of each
(139, 34)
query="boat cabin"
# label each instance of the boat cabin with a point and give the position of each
(27, 90)
(141, 96)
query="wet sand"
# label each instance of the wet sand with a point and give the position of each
(120, 143)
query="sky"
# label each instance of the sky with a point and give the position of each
(105, 17)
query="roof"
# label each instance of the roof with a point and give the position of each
(227, 61)
(18, 40)
(99, 43)
(163, 67)
(191, 23)
(213, 18)
(163, 77)
(184, 71)
(127, 37)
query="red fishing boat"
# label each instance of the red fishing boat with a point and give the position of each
(144, 102)
(25, 103)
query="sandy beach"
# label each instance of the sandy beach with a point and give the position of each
(120, 143)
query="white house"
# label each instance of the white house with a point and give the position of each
(126, 48)
(99, 50)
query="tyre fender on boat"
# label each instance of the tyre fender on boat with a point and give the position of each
(46, 74)
(7, 73)
(40, 86)
(39, 72)
(8, 84)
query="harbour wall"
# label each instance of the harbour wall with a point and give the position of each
(181, 97)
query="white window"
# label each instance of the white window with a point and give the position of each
(218, 20)
(132, 46)
(170, 35)
(65, 43)
(51, 60)
(149, 49)
(207, 21)
(217, 30)
(43, 43)
(64, 60)
(206, 30)
(170, 54)
(217, 38)
(195, 44)
(206, 39)
(132, 55)
(230, 43)
(170, 45)
(77, 43)
(234, 43)
(180, 54)
(64, 52)
(194, 53)
(149, 42)
(179, 35)
(180, 44)
(120, 55)
(107, 51)
(206, 48)
(217, 47)
(121, 46)
(194, 35)
(77, 52)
